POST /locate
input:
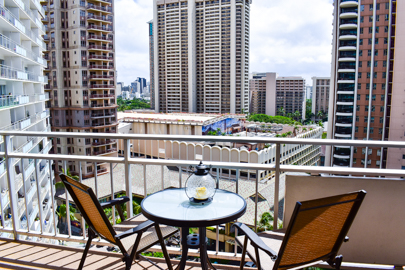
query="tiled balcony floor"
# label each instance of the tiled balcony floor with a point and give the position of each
(27, 255)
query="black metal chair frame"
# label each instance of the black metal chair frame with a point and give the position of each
(331, 258)
(92, 232)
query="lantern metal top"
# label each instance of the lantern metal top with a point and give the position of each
(201, 169)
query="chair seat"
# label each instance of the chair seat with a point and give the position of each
(272, 239)
(149, 238)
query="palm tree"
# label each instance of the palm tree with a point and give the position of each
(296, 114)
(319, 115)
(281, 111)
(265, 222)
(75, 177)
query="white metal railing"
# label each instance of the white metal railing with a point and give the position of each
(31, 14)
(11, 18)
(8, 72)
(26, 122)
(13, 46)
(275, 166)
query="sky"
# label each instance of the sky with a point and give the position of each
(289, 37)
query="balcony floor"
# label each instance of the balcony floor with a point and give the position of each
(34, 255)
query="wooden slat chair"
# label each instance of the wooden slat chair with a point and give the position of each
(132, 241)
(315, 233)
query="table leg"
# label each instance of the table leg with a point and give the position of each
(162, 244)
(205, 261)
(184, 247)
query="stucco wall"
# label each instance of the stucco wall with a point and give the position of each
(377, 234)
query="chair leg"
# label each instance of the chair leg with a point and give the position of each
(86, 249)
(162, 243)
(242, 261)
(336, 262)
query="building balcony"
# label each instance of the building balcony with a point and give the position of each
(108, 105)
(97, 37)
(96, 77)
(99, 28)
(384, 201)
(100, 8)
(99, 18)
(103, 142)
(99, 48)
(101, 115)
(15, 74)
(104, 152)
(101, 86)
(348, 3)
(101, 67)
(349, 14)
(100, 57)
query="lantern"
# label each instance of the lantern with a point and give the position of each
(200, 186)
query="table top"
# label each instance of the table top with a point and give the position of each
(173, 207)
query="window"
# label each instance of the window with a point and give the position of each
(382, 97)
(358, 96)
(367, 86)
(381, 120)
(361, 41)
(359, 86)
(379, 132)
(356, 129)
(387, 17)
(373, 97)
(369, 53)
(365, 129)
(361, 19)
(384, 63)
(375, 63)
(373, 108)
(360, 52)
(381, 108)
(360, 63)
(366, 109)
(385, 40)
(370, 41)
(377, 29)
(359, 75)
(367, 97)
(370, 18)
(362, 8)
(384, 75)
(357, 118)
(361, 32)
(358, 108)
(376, 52)
(368, 63)
(372, 119)
(385, 52)
(371, 7)
(374, 86)
(82, 13)
(377, 18)
(375, 75)
(370, 31)
(377, 7)
(386, 29)
(383, 86)
(387, 5)
(368, 75)
(371, 130)
(376, 40)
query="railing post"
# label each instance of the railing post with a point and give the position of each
(256, 197)
(41, 216)
(8, 144)
(95, 178)
(53, 197)
(276, 186)
(67, 204)
(128, 180)
(112, 190)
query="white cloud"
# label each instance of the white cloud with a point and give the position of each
(289, 37)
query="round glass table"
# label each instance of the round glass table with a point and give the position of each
(173, 207)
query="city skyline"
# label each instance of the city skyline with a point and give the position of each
(298, 43)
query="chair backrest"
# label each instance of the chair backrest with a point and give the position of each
(317, 229)
(90, 208)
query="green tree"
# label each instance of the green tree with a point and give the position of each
(308, 110)
(296, 115)
(266, 222)
(75, 177)
(281, 111)
(319, 115)
(61, 212)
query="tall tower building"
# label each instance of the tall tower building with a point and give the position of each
(320, 96)
(23, 108)
(81, 73)
(151, 65)
(201, 55)
(367, 97)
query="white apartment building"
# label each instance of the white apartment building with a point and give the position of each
(201, 55)
(22, 108)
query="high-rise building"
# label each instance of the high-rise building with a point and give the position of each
(23, 107)
(201, 55)
(270, 94)
(142, 84)
(367, 97)
(308, 92)
(81, 73)
(320, 96)
(151, 65)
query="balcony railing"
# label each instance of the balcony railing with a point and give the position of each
(99, 37)
(102, 86)
(103, 28)
(31, 14)
(102, 8)
(11, 18)
(103, 57)
(100, 47)
(102, 18)
(157, 177)
(8, 72)
(100, 67)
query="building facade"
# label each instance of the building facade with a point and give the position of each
(25, 183)
(81, 73)
(151, 65)
(320, 94)
(367, 96)
(201, 55)
(270, 94)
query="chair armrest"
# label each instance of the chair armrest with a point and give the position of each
(116, 201)
(140, 228)
(255, 240)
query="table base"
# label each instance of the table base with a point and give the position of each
(205, 261)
